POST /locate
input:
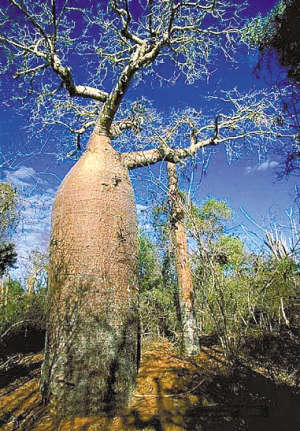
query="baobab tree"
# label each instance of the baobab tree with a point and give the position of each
(92, 343)
(190, 343)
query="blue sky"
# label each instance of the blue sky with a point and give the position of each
(249, 183)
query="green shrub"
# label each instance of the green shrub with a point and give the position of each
(157, 294)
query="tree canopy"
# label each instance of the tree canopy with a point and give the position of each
(277, 37)
(72, 67)
(281, 34)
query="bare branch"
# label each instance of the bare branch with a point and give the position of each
(33, 21)
(31, 71)
(142, 56)
(149, 157)
(76, 90)
(126, 19)
(116, 45)
(24, 48)
(12, 326)
(53, 10)
(196, 5)
(84, 128)
(254, 117)
(128, 124)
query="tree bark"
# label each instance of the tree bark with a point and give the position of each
(1, 291)
(190, 342)
(31, 280)
(92, 341)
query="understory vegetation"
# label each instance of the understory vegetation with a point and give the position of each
(247, 308)
(237, 293)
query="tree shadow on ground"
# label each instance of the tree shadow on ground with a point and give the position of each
(18, 369)
(276, 351)
(205, 393)
(246, 400)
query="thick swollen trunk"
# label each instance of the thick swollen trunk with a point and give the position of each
(92, 342)
(190, 342)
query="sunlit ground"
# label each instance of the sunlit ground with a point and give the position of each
(173, 393)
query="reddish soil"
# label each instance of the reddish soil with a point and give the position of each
(173, 393)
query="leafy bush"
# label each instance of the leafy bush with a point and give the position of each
(8, 221)
(224, 298)
(8, 256)
(244, 294)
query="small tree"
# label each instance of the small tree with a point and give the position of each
(8, 218)
(222, 295)
(149, 270)
(275, 274)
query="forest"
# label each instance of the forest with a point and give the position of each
(147, 305)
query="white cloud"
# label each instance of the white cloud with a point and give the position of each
(35, 218)
(18, 177)
(36, 200)
(268, 164)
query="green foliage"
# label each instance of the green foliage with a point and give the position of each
(231, 248)
(206, 222)
(22, 318)
(243, 294)
(8, 219)
(223, 296)
(215, 211)
(158, 313)
(279, 32)
(157, 304)
(11, 309)
(275, 283)
(8, 256)
(237, 293)
(149, 271)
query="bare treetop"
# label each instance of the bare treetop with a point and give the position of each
(64, 54)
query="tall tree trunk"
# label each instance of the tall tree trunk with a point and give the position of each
(4, 281)
(1, 291)
(190, 342)
(92, 342)
(31, 280)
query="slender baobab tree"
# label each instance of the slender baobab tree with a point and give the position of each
(190, 341)
(49, 46)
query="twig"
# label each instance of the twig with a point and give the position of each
(170, 395)
(15, 324)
